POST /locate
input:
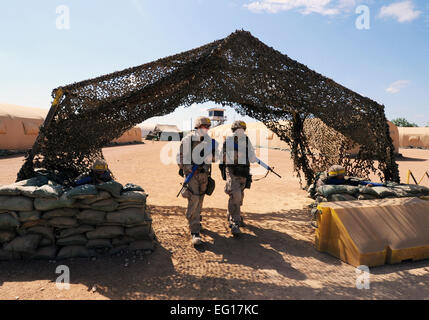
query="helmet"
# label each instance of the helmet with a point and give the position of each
(99, 165)
(239, 125)
(336, 170)
(202, 121)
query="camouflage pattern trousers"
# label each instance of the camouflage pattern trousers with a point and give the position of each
(195, 195)
(234, 187)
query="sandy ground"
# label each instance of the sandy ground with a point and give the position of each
(274, 259)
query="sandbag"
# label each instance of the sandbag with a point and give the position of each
(63, 222)
(127, 217)
(132, 187)
(364, 196)
(50, 191)
(327, 190)
(24, 244)
(45, 253)
(113, 187)
(91, 217)
(74, 231)
(142, 245)
(6, 236)
(45, 242)
(8, 255)
(118, 249)
(101, 195)
(121, 241)
(368, 191)
(140, 232)
(16, 203)
(42, 204)
(37, 181)
(341, 197)
(8, 222)
(108, 205)
(413, 190)
(27, 191)
(105, 232)
(99, 244)
(126, 205)
(384, 192)
(132, 196)
(76, 240)
(59, 213)
(86, 191)
(9, 190)
(26, 216)
(46, 232)
(75, 252)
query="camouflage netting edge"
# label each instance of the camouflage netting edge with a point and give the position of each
(239, 71)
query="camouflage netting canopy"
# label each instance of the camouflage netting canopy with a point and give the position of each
(239, 71)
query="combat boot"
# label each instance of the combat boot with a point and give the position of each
(196, 239)
(235, 229)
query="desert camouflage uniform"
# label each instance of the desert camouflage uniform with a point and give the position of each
(237, 161)
(198, 184)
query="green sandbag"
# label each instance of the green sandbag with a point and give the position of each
(126, 205)
(46, 232)
(8, 222)
(113, 187)
(413, 190)
(127, 217)
(52, 204)
(63, 222)
(9, 255)
(99, 244)
(140, 232)
(26, 216)
(24, 244)
(105, 233)
(384, 192)
(75, 252)
(9, 190)
(108, 205)
(45, 253)
(132, 196)
(6, 236)
(37, 181)
(86, 191)
(341, 197)
(27, 191)
(45, 242)
(16, 203)
(50, 191)
(102, 195)
(132, 187)
(59, 213)
(142, 245)
(76, 240)
(121, 241)
(327, 190)
(368, 191)
(73, 231)
(91, 217)
(364, 196)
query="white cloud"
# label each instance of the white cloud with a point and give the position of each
(402, 11)
(397, 86)
(323, 7)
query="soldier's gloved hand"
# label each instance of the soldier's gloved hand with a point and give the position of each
(187, 169)
(181, 173)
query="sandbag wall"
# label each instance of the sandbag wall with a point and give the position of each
(39, 219)
(328, 193)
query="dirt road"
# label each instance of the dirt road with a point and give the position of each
(274, 259)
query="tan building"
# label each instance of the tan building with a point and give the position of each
(19, 127)
(414, 137)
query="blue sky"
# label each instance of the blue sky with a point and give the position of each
(389, 62)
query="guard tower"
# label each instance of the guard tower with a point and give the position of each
(217, 116)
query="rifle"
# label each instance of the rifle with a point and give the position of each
(188, 179)
(267, 167)
(261, 163)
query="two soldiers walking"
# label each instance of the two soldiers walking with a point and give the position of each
(197, 153)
